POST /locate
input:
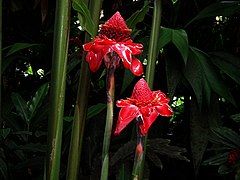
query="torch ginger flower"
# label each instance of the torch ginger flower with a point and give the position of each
(113, 44)
(144, 104)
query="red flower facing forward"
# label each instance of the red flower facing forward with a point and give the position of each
(114, 39)
(144, 103)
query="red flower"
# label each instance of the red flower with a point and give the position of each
(145, 104)
(114, 39)
(233, 156)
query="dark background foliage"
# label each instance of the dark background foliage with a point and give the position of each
(198, 65)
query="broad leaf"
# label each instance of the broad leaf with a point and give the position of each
(21, 106)
(227, 136)
(178, 37)
(165, 37)
(193, 74)
(180, 40)
(123, 152)
(198, 134)
(32, 147)
(212, 77)
(228, 64)
(84, 16)
(138, 16)
(217, 159)
(174, 75)
(236, 117)
(163, 147)
(222, 8)
(95, 110)
(3, 170)
(37, 100)
(18, 47)
(225, 169)
(127, 80)
(4, 133)
(152, 156)
(124, 173)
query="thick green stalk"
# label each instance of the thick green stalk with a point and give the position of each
(57, 94)
(138, 154)
(109, 122)
(80, 111)
(152, 56)
(1, 9)
(153, 50)
(137, 161)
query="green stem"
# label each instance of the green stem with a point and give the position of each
(80, 111)
(57, 94)
(109, 122)
(153, 50)
(152, 56)
(1, 9)
(138, 154)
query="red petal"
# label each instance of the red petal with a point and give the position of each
(136, 67)
(124, 53)
(136, 48)
(122, 103)
(161, 96)
(87, 46)
(94, 60)
(164, 110)
(147, 122)
(126, 115)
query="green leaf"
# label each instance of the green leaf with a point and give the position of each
(32, 147)
(3, 170)
(123, 152)
(18, 47)
(68, 118)
(212, 77)
(178, 37)
(217, 160)
(174, 75)
(165, 37)
(153, 157)
(227, 63)
(84, 16)
(4, 133)
(21, 106)
(138, 16)
(95, 110)
(123, 173)
(127, 80)
(227, 136)
(222, 8)
(180, 40)
(236, 117)
(225, 169)
(37, 100)
(198, 134)
(163, 147)
(193, 74)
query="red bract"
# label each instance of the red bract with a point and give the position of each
(144, 103)
(114, 39)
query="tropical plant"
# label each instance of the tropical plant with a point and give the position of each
(188, 49)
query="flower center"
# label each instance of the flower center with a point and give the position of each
(148, 103)
(116, 34)
(115, 28)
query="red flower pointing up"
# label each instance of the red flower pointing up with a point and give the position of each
(114, 39)
(144, 103)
